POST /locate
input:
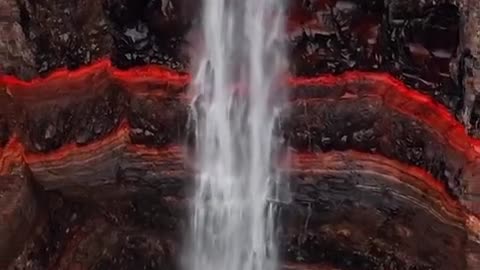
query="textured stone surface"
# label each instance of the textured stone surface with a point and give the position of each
(65, 33)
(422, 43)
(16, 52)
(102, 107)
(151, 32)
(415, 41)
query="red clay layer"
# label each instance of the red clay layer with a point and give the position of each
(152, 73)
(136, 74)
(414, 104)
(423, 108)
(334, 162)
(302, 162)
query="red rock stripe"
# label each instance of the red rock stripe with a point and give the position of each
(395, 94)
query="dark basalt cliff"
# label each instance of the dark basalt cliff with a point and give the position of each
(95, 168)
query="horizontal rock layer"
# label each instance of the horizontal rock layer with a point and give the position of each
(339, 195)
(103, 136)
(370, 112)
(416, 41)
(109, 138)
(348, 209)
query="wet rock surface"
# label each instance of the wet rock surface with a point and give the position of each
(152, 116)
(46, 35)
(16, 53)
(328, 219)
(415, 41)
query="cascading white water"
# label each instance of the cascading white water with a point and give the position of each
(237, 102)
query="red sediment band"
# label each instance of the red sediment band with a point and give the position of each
(300, 162)
(314, 163)
(397, 95)
(422, 107)
(405, 100)
(119, 139)
(137, 74)
(70, 151)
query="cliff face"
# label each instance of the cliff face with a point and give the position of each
(95, 147)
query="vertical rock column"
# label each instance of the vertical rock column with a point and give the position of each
(470, 44)
(470, 50)
(18, 205)
(16, 56)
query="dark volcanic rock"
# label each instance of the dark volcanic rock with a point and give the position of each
(16, 52)
(65, 33)
(157, 121)
(334, 36)
(419, 42)
(414, 41)
(150, 32)
(76, 115)
(133, 233)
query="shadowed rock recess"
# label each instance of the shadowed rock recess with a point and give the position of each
(95, 146)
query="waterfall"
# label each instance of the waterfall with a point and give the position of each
(237, 84)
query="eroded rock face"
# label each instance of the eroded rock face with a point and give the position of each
(16, 54)
(96, 169)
